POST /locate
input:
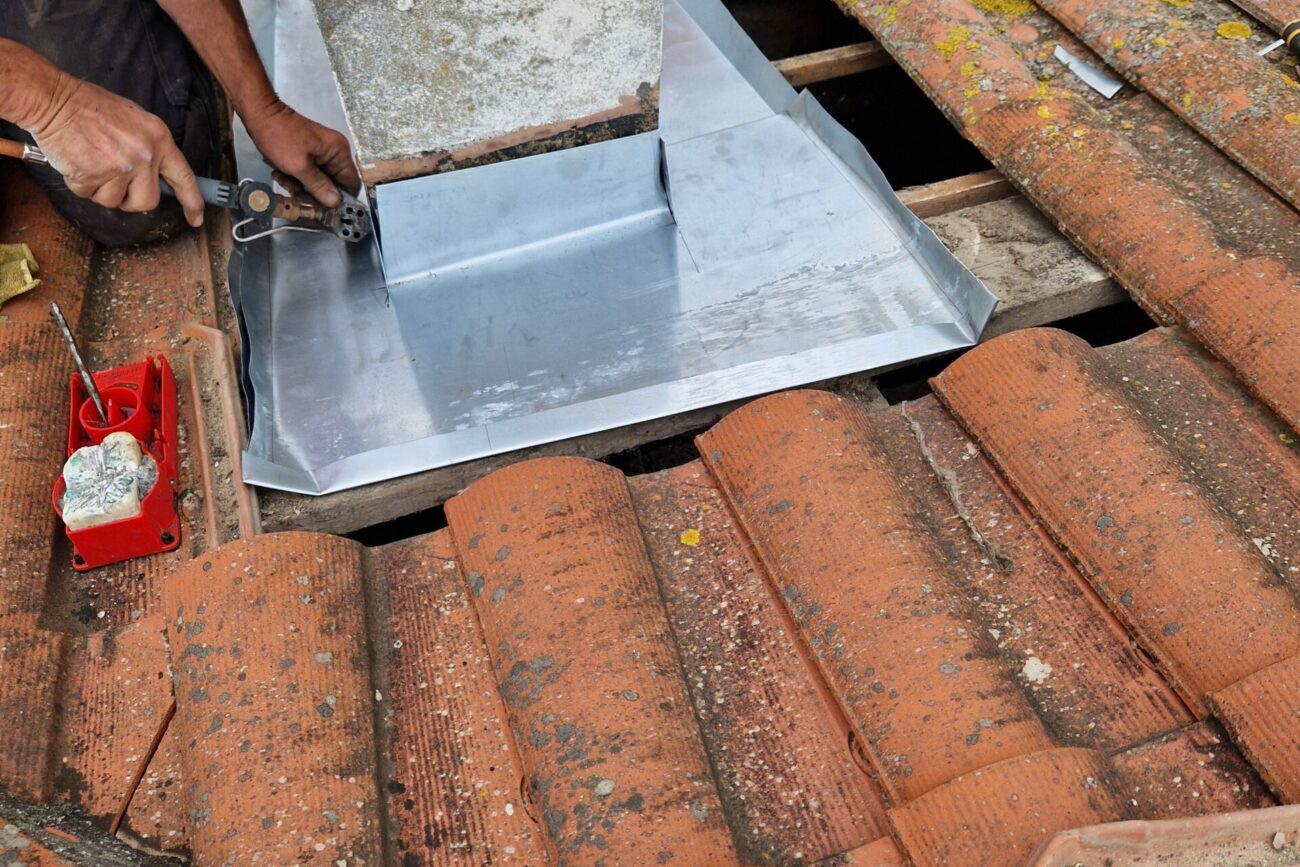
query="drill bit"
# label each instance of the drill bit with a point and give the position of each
(86, 378)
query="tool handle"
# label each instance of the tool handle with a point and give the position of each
(10, 148)
(1291, 36)
(214, 192)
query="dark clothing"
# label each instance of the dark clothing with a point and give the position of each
(131, 48)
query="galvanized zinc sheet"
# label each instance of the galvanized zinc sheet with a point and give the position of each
(749, 245)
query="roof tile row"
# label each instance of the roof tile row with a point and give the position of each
(1045, 410)
(695, 664)
(1114, 202)
(1217, 85)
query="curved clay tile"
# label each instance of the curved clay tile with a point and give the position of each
(1198, 594)
(116, 690)
(996, 816)
(1104, 194)
(452, 782)
(1192, 771)
(585, 661)
(836, 533)
(33, 441)
(1262, 712)
(275, 704)
(1232, 97)
(1085, 680)
(779, 745)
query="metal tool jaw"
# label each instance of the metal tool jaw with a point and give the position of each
(257, 207)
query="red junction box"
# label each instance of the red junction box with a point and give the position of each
(142, 401)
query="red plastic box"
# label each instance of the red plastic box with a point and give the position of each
(141, 400)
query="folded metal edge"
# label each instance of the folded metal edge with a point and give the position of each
(632, 407)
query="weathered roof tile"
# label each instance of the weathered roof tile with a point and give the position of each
(455, 782)
(1263, 713)
(996, 815)
(832, 526)
(586, 664)
(781, 750)
(275, 716)
(1196, 591)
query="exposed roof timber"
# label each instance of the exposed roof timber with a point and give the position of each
(819, 66)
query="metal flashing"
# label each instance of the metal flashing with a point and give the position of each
(562, 294)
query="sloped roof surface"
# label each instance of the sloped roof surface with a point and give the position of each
(835, 630)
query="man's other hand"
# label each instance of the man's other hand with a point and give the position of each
(111, 151)
(315, 155)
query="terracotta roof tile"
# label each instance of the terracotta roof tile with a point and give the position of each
(781, 750)
(998, 814)
(274, 716)
(1194, 589)
(1241, 454)
(1263, 713)
(1029, 598)
(454, 780)
(33, 442)
(1229, 95)
(1192, 771)
(116, 691)
(832, 526)
(30, 692)
(1115, 203)
(552, 551)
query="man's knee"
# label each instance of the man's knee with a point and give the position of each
(114, 228)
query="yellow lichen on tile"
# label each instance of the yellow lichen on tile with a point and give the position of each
(1009, 8)
(1293, 119)
(690, 537)
(956, 37)
(1233, 30)
(1161, 41)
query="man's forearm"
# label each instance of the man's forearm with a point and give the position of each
(219, 33)
(31, 88)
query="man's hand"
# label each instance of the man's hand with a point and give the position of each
(111, 151)
(315, 155)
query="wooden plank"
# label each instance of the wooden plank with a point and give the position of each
(943, 197)
(1039, 276)
(1037, 273)
(806, 69)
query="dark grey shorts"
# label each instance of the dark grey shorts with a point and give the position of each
(132, 48)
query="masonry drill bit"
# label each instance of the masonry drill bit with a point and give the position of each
(86, 378)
